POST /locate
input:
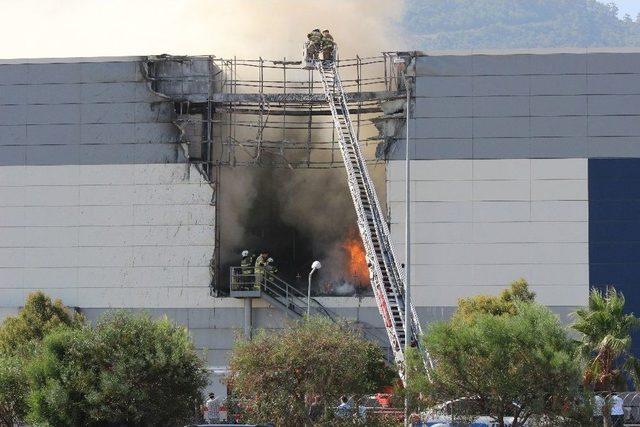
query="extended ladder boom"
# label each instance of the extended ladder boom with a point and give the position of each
(386, 279)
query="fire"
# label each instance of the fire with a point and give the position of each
(355, 259)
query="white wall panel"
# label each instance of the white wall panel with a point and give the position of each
(512, 218)
(106, 235)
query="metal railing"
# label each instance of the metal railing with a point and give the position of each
(276, 290)
(260, 279)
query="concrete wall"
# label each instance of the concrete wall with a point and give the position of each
(96, 203)
(479, 224)
(501, 186)
(526, 105)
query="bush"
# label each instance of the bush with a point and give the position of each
(276, 374)
(13, 389)
(128, 370)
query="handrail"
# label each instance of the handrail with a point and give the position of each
(247, 276)
(277, 288)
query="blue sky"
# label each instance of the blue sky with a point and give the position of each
(632, 7)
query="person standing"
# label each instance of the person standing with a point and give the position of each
(328, 47)
(261, 263)
(315, 409)
(598, 403)
(212, 409)
(246, 264)
(314, 44)
(617, 410)
(344, 410)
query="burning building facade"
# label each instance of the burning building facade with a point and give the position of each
(136, 182)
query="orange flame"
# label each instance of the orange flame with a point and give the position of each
(355, 259)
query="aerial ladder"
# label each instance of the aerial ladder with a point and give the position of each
(386, 279)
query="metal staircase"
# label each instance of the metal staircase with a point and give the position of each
(246, 283)
(386, 280)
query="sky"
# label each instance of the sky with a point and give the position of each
(632, 7)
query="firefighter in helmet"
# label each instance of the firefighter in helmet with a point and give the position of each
(260, 268)
(246, 265)
(314, 44)
(328, 47)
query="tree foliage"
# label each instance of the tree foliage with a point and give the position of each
(19, 335)
(13, 389)
(505, 303)
(278, 373)
(509, 355)
(489, 24)
(129, 370)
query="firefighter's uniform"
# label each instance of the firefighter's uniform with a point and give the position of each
(246, 265)
(259, 269)
(315, 44)
(328, 46)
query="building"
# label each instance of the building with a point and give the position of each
(523, 165)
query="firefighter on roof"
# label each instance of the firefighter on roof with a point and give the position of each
(328, 46)
(315, 44)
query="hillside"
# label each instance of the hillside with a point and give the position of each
(488, 24)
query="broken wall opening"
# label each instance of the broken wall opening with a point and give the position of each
(261, 132)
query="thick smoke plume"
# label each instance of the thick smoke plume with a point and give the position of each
(246, 28)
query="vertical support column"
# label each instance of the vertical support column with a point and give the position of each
(248, 321)
(407, 261)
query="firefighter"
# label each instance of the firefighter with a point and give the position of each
(259, 268)
(314, 44)
(246, 265)
(271, 267)
(328, 47)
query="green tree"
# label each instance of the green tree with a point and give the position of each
(278, 373)
(127, 370)
(516, 363)
(13, 389)
(505, 303)
(20, 335)
(491, 24)
(605, 330)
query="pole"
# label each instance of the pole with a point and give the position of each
(309, 293)
(407, 250)
(315, 266)
(247, 318)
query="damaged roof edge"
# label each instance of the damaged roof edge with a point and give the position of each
(528, 51)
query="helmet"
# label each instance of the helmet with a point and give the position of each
(270, 260)
(317, 29)
(245, 253)
(325, 31)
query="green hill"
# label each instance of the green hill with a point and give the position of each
(488, 24)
